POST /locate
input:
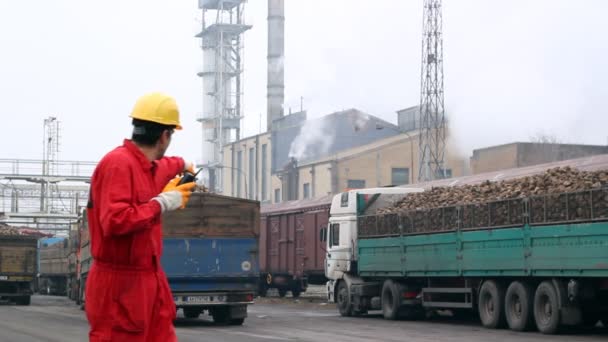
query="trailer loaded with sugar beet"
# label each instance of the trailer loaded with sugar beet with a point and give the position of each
(210, 256)
(528, 253)
(18, 254)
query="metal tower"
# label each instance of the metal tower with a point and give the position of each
(432, 111)
(50, 156)
(222, 44)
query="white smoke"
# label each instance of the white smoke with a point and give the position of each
(315, 139)
(360, 122)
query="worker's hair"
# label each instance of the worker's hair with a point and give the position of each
(147, 133)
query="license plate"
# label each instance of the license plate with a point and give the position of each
(198, 299)
(3, 277)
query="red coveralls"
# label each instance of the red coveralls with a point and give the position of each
(127, 294)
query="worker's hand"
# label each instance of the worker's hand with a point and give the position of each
(188, 166)
(175, 196)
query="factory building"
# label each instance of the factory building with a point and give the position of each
(301, 158)
(522, 154)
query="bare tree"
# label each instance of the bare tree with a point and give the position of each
(548, 146)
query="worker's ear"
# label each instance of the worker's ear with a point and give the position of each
(165, 138)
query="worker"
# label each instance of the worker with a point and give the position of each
(127, 294)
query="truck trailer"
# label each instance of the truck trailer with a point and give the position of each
(18, 254)
(53, 274)
(210, 256)
(536, 262)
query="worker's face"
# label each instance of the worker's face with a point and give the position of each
(164, 142)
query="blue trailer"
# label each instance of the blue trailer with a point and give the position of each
(218, 275)
(210, 256)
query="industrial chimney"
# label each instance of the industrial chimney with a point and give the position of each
(276, 54)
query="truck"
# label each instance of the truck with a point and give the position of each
(538, 261)
(18, 254)
(84, 260)
(210, 256)
(291, 255)
(53, 271)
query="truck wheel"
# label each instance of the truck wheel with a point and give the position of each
(282, 292)
(343, 300)
(23, 300)
(296, 291)
(390, 300)
(221, 315)
(192, 312)
(491, 304)
(546, 308)
(237, 321)
(518, 306)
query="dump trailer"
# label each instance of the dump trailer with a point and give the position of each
(74, 245)
(210, 256)
(83, 257)
(291, 255)
(530, 262)
(53, 273)
(18, 254)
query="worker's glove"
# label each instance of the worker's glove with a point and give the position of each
(174, 196)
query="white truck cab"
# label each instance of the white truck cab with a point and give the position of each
(341, 233)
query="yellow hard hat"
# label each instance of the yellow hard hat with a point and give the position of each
(157, 107)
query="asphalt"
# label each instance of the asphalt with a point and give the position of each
(56, 319)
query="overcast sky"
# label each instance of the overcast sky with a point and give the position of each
(512, 68)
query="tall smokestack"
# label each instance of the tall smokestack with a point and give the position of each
(276, 54)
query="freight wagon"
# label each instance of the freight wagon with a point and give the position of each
(539, 261)
(53, 270)
(291, 255)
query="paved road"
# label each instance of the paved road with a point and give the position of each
(55, 319)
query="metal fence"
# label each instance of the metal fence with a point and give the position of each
(28, 167)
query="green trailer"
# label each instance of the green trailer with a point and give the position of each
(530, 262)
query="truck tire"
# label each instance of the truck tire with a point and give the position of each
(192, 312)
(282, 292)
(391, 300)
(296, 291)
(491, 304)
(23, 300)
(237, 321)
(519, 301)
(546, 308)
(343, 300)
(221, 315)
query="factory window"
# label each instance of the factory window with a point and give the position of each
(355, 184)
(334, 234)
(277, 195)
(400, 176)
(448, 173)
(306, 190)
(239, 168)
(251, 174)
(264, 179)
